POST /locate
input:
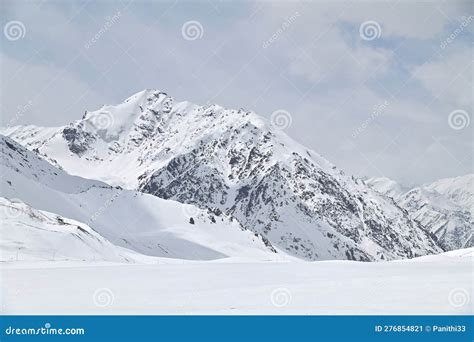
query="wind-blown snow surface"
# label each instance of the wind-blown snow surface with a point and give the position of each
(440, 284)
(444, 208)
(236, 162)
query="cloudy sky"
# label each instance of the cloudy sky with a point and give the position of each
(378, 88)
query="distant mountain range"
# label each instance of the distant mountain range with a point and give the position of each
(444, 208)
(253, 191)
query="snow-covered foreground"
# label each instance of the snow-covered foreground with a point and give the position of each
(430, 285)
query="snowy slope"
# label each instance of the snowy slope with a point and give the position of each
(28, 234)
(432, 285)
(459, 190)
(237, 162)
(386, 186)
(443, 208)
(141, 222)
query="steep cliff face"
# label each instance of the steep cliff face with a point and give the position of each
(235, 162)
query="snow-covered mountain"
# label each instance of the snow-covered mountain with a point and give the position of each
(126, 218)
(386, 186)
(235, 162)
(459, 190)
(444, 208)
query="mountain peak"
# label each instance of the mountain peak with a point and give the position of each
(239, 163)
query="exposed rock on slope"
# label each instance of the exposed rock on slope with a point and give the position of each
(235, 162)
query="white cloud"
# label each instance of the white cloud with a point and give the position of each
(53, 94)
(449, 79)
(229, 66)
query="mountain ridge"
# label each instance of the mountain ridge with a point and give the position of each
(444, 208)
(238, 163)
(128, 219)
